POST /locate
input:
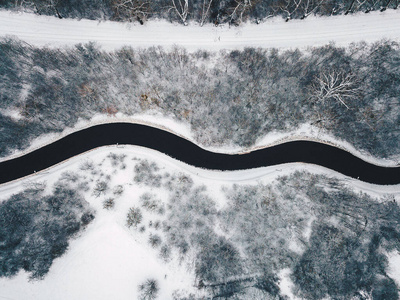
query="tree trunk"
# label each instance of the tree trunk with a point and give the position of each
(350, 7)
(387, 4)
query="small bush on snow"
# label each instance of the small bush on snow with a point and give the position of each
(149, 290)
(134, 217)
(108, 203)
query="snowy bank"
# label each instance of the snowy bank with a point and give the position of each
(275, 32)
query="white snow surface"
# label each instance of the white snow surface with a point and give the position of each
(157, 120)
(108, 260)
(274, 32)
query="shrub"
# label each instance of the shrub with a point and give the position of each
(134, 217)
(87, 166)
(165, 253)
(100, 188)
(116, 159)
(217, 260)
(145, 172)
(35, 229)
(149, 202)
(118, 190)
(108, 203)
(154, 240)
(149, 290)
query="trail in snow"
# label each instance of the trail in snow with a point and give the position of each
(313, 31)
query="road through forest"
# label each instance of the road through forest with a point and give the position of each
(313, 31)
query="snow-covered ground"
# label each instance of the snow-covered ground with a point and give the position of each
(305, 132)
(207, 177)
(108, 260)
(275, 32)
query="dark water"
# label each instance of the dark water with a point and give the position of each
(183, 150)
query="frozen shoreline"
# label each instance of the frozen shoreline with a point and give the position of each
(275, 32)
(305, 132)
(107, 249)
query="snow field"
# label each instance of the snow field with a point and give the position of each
(275, 32)
(108, 259)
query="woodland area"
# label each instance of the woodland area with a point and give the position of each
(201, 11)
(35, 228)
(349, 93)
(333, 240)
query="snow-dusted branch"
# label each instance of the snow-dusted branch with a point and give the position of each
(310, 7)
(204, 12)
(181, 7)
(131, 9)
(290, 7)
(41, 6)
(335, 86)
(241, 7)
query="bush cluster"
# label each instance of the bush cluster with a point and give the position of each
(248, 93)
(35, 229)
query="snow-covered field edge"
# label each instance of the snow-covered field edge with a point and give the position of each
(271, 33)
(108, 260)
(305, 132)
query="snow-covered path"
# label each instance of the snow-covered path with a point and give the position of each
(343, 30)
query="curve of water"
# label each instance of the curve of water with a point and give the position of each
(179, 148)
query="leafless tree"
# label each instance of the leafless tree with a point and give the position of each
(181, 7)
(204, 11)
(310, 6)
(24, 3)
(238, 11)
(335, 86)
(350, 7)
(131, 9)
(41, 6)
(384, 7)
(290, 7)
(357, 5)
(48, 6)
(149, 290)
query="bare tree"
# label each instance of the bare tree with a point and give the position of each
(367, 4)
(181, 7)
(47, 6)
(350, 7)
(131, 9)
(149, 290)
(384, 7)
(335, 86)
(134, 217)
(290, 7)
(310, 6)
(357, 5)
(204, 11)
(24, 3)
(41, 6)
(241, 7)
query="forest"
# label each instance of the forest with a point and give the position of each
(333, 240)
(228, 98)
(35, 228)
(217, 12)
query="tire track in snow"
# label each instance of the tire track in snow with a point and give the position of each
(313, 31)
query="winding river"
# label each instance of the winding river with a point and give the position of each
(184, 150)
